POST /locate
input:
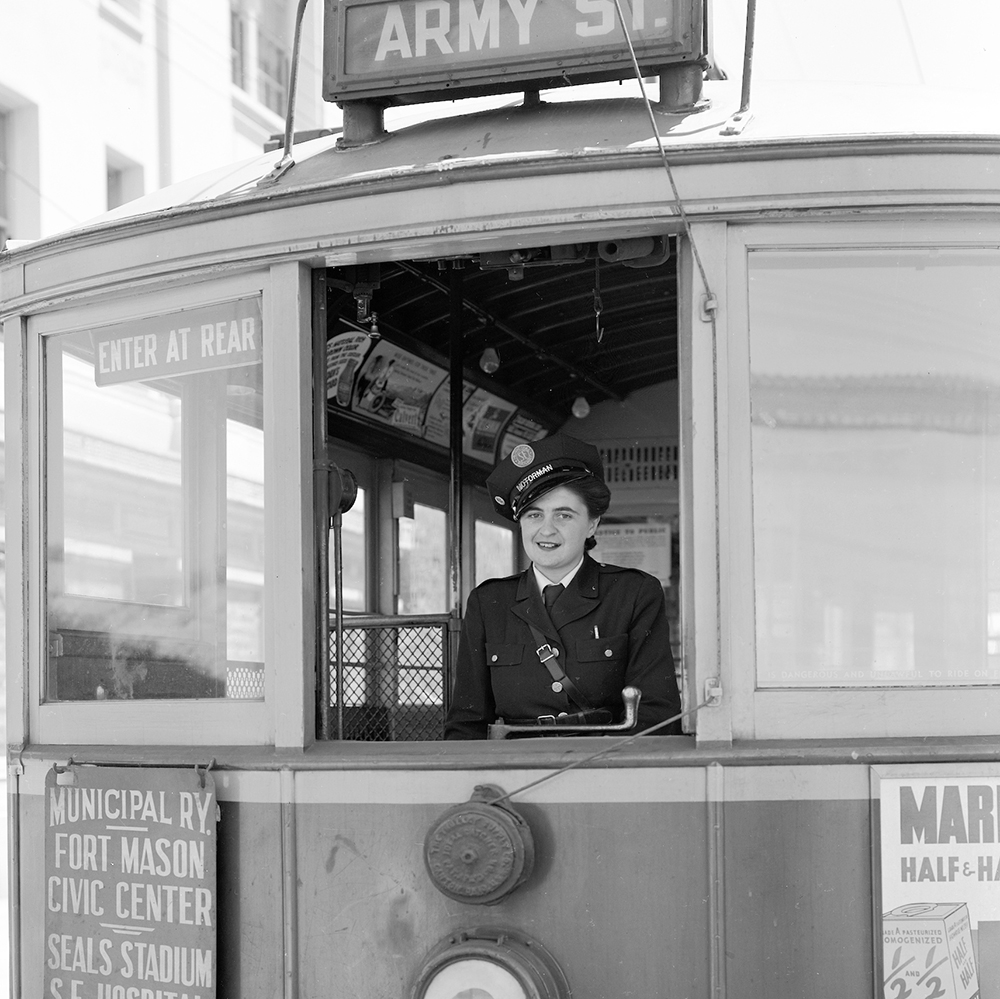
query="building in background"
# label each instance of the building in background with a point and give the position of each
(102, 101)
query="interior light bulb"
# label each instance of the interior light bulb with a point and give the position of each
(490, 361)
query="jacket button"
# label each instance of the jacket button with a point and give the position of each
(607, 652)
(494, 659)
(557, 686)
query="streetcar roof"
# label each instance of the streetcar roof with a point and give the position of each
(444, 139)
(434, 147)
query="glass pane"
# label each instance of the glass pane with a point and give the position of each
(121, 526)
(423, 562)
(154, 499)
(244, 542)
(354, 540)
(237, 35)
(494, 551)
(272, 73)
(3, 574)
(875, 387)
(3, 171)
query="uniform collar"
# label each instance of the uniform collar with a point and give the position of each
(543, 580)
(573, 604)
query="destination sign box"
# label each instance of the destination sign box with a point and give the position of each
(432, 49)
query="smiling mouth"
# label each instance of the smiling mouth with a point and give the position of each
(546, 544)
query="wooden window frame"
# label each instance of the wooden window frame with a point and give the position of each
(725, 619)
(284, 718)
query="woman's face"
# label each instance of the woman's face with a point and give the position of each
(554, 529)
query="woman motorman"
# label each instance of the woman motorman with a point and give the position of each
(607, 625)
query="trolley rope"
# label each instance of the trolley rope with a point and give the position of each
(709, 307)
(710, 298)
(618, 744)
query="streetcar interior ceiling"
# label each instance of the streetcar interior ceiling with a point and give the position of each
(565, 321)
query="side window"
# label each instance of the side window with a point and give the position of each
(495, 550)
(259, 51)
(155, 512)
(875, 429)
(496, 543)
(4, 227)
(244, 527)
(390, 683)
(357, 535)
(354, 537)
(125, 179)
(423, 561)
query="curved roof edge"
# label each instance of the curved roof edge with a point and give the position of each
(426, 148)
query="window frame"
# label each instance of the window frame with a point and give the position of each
(817, 713)
(480, 508)
(238, 47)
(5, 130)
(278, 719)
(425, 488)
(126, 175)
(271, 89)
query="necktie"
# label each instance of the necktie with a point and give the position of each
(551, 594)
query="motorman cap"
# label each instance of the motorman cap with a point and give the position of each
(532, 469)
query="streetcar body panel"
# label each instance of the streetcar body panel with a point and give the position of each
(612, 898)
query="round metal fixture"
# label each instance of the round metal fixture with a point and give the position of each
(490, 360)
(480, 851)
(487, 963)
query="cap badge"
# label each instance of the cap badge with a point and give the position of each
(523, 454)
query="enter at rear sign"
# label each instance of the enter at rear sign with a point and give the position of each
(227, 335)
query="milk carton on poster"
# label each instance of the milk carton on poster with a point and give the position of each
(927, 952)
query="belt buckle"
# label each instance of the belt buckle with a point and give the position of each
(545, 648)
(546, 719)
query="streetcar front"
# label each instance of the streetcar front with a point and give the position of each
(249, 426)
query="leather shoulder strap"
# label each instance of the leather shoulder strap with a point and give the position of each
(551, 663)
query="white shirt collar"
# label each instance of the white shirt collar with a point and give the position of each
(544, 581)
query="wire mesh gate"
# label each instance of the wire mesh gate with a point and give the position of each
(396, 677)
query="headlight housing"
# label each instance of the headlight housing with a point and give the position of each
(488, 963)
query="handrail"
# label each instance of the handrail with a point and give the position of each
(367, 620)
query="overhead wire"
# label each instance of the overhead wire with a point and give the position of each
(685, 222)
(709, 310)
(31, 185)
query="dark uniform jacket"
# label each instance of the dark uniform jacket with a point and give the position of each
(499, 675)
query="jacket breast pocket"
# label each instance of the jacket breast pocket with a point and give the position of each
(604, 650)
(504, 655)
